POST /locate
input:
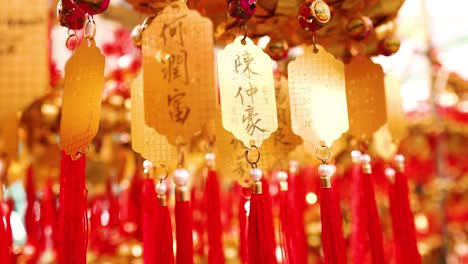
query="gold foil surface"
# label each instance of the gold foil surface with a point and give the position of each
(145, 140)
(179, 80)
(247, 91)
(396, 119)
(365, 94)
(24, 70)
(283, 141)
(317, 97)
(81, 108)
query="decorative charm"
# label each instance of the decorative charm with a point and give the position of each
(178, 73)
(360, 28)
(313, 15)
(317, 96)
(248, 103)
(365, 95)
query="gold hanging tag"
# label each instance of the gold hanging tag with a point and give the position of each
(396, 118)
(179, 80)
(318, 96)
(230, 156)
(24, 65)
(382, 143)
(365, 95)
(246, 84)
(276, 148)
(145, 140)
(81, 107)
(9, 136)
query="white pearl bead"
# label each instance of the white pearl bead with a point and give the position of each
(181, 177)
(282, 176)
(161, 188)
(355, 154)
(389, 172)
(324, 170)
(256, 174)
(332, 169)
(147, 165)
(399, 158)
(294, 163)
(210, 157)
(366, 159)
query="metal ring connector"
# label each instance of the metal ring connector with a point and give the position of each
(90, 25)
(322, 153)
(80, 153)
(164, 166)
(252, 163)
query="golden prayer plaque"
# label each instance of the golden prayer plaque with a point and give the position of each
(24, 68)
(396, 119)
(247, 90)
(317, 96)
(179, 80)
(275, 149)
(145, 140)
(81, 108)
(365, 95)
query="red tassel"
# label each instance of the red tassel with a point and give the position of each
(373, 222)
(73, 219)
(164, 251)
(404, 233)
(261, 248)
(243, 250)
(358, 213)
(5, 244)
(48, 219)
(288, 228)
(333, 245)
(32, 226)
(183, 219)
(213, 215)
(269, 215)
(298, 190)
(149, 221)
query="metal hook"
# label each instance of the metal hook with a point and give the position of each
(245, 34)
(252, 163)
(315, 42)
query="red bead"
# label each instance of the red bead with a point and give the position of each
(360, 28)
(92, 7)
(313, 15)
(70, 16)
(242, 9)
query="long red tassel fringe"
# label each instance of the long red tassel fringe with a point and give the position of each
(73, 219)
(183, 218)
(261, 248)
(358, 213)
(213, 215)
(288, 229)
(5, 244)
(402, 218)
(243, 249)
(164, 251)
(149, 221)
(373, 221)
(332, 234)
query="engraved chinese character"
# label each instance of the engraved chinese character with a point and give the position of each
(172, 32)
(242, 65)
(176, 68)
(178, 111)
